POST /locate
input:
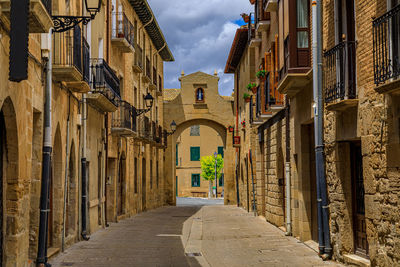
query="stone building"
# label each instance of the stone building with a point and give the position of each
(361, 119)
(195, 142)
(361, 62)
(101, 73)
(198, 102)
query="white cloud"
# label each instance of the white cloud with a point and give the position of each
(199, 34)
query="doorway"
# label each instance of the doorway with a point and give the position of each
(2, 146)
(120, 187)
(359, 225)
(143, 184)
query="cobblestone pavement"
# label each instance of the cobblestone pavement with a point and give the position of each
(223, 235)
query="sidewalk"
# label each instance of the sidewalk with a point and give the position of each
(222, 235)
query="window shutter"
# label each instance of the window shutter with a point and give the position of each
(195, 153)
(221, 151)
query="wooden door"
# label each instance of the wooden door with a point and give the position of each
(359, 226)
(313, 184)
(120, 188)
(2, 145)
(144, 184)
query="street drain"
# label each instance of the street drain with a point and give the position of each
(194, 254)
(67, 264)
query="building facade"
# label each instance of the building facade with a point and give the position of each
(196, 142)
(107, 159)
(361, 144)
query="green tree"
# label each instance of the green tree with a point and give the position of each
(208, 170)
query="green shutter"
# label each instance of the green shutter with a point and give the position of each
(221, 180)
(195, 153)
(195, 180)
(221, 151)
(176, 154)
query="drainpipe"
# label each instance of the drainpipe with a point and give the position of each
(83, 169)
(41, 260)
(288, 173)
(106, 168)
(66, 175)
(325, 249)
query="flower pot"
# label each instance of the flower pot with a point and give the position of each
(252, 2)
(254, 90)
(247, 100)
(246, 19)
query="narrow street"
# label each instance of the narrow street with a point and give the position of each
(223, 235)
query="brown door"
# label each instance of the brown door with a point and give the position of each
(313, 185)
(144, 184)
(360, 235)
(120, 187)
(2, 144)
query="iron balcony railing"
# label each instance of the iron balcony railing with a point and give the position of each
(144, 127)
(165, 138)
(148, 68)
(138, 56)
(124, 117)
(154, 76)
(123, 28)
(104, 80)
(339, 72)
(85, 60)
(48, 5)
(68, 48)
(159, 135)
(251, 113)
(386, 44)
(153, 130)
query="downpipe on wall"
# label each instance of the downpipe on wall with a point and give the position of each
(41, 260)
(288, 173)
(325, 249)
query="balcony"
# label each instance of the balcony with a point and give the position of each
(40, 20)
(159, 138)
(72, 60)
(386, 32)
(339, 77)
(144, 129)
(296, 73)
(105, 93)
(153, 84)
(138, 60)
(123, 121)
(270, 5)
(147, 77)
(263, 18)
(122, 33)
(160, 87)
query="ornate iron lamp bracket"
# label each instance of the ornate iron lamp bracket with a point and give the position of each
(142, 111)
(65, 23)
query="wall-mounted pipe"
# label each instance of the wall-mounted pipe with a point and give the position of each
(288, 173)
(84, 190)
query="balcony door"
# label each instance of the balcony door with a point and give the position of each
(345, 36)
(395, 37)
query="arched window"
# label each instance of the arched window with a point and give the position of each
(200, 95)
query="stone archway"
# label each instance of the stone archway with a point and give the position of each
(214, 111)
(10, 187)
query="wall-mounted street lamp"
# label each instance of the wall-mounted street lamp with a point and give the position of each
(65, 23)
(173, 128)
(148, 100)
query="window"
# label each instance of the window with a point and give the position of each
(221, 180)
(151, 174)
(195, 130)
(302, 23)
(195, 180)
(157, 174)
(200, 95)
(221, 151)
(195, 153)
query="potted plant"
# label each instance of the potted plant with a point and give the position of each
(245, 17)
(246, 97)
(261, 74)
(252, 87)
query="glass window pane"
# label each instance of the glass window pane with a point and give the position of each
(302, 14)
(302, 39)
(195, 130)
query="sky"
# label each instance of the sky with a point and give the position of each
(199, 33)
